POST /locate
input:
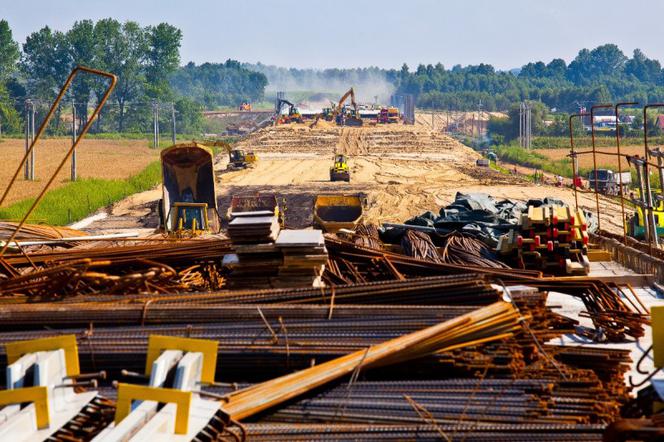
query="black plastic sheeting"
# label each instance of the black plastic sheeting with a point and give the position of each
(479, 215)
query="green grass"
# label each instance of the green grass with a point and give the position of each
(518, 155)
(76, 200)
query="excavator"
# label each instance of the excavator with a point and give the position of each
(245, 106)
(340, 170)
(293, 115)
(337, 112)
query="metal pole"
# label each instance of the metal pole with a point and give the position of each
(592, 134)
(521, 124)
(73, 140)
(173, 121)
(620, 178)
(26, 171)
(573, 155)
(654, 237)
(155, 126)
(32, 138)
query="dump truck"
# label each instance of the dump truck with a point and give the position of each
(388, 115)
(608, 181)
(189, 202)
(259, 204)
(340, 170)
(335, 212)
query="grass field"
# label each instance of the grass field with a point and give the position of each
(76, 200)
(96, 159)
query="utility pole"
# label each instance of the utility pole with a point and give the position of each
(155, 125)
(29, 172)
(73, 140)
(173, 121)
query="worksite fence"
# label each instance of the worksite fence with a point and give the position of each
(641, 256)
(152, 121)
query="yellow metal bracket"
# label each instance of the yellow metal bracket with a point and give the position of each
(129, 392)
(67, 343)
(657, 320)
(36, 395)
(157, 344)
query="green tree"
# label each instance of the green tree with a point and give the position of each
(9, 52)
(82, 51)
(163, 58)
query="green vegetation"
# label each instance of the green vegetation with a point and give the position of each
(219, 84)
(76, 200)
(518, 155)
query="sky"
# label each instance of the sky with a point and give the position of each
(361, 33)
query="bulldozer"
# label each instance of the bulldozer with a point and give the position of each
(293, 115)
(189, 204)
(237, 158)
(340, 170)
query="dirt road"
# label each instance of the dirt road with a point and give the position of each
(401, 170)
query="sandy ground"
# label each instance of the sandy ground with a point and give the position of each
(106, 159)
(401, 171)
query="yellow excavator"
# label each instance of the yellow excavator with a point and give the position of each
(293, 115)
(340, 170)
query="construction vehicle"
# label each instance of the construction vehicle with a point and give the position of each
(335, 212)
(293, 115)
(388, 115)
(344, 117)
(257, 205)
(189, 203)
(636, 227)
(245, 106)
(237, 158)
(340, 170)
(608, 181)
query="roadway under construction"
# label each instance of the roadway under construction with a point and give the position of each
(428, 315)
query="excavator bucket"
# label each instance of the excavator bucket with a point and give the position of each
(335, 212)
(188, 188)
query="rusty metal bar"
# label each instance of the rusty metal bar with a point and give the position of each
(42, 128)
(592, 134)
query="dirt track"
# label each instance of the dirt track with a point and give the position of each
(401, 170)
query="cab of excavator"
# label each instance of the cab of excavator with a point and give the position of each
(237, 155)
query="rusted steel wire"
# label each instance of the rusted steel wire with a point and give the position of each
(463, 249)
(419, 245)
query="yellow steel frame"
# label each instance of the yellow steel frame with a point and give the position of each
(657, 320)
(36, 395)
(158, 343)
(180, 217)
(127, 393)
(15, 350)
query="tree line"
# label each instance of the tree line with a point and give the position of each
(146, 60)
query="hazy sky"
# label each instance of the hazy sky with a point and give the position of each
(385, 33)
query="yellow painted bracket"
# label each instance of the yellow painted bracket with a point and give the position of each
(36, 395)
(129, 392)
(67, 343)
(657, 320)
(157, 344)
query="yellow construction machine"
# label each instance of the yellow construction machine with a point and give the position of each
(189, 203)
(340, 115)
(293, 115)
(340, 170)
(335, 212)
(245, 106)
(237, 158)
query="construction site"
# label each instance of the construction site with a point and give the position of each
(349, 274)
